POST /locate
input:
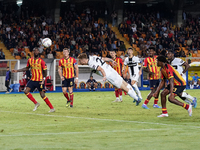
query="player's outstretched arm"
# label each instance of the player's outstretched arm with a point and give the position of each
(60, 73)
(77, 73)
(162, 83)
(20, 70)
(187, 66)
(103, 72)
(109, 60)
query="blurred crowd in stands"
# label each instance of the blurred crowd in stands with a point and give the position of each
(151, 29)
(80, 32)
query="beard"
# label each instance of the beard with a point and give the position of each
(36, 55)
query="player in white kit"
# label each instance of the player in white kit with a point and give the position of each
(132, 62)
(108, 73)
(178, 64)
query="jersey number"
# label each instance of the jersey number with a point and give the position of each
(98, 59)
(175, 67)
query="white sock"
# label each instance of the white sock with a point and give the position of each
(187, 96)
(137, 90)
(132, 94)
(120, 97)
(117, 98)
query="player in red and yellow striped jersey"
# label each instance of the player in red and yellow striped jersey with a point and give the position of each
(118, 68)
(67, 68)
(39, 73)
(150, 66)
(175, 87)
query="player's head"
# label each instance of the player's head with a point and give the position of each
(36, 52)
(195, 74)
(91, 77)
(113, 54)
(130, 51)
(83, 59)
(170, 55)
(66, 52)
(8, 68)
(151, 51)
(161, 60)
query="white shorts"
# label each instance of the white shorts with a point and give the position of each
(114, 78)
(135, 77)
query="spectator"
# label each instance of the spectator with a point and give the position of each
(195, 81)
(91, 84)
(50, 55)
(122, 47)
(7, 80)
(2, 55)
(114, 18)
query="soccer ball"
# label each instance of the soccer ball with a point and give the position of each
(46, 42)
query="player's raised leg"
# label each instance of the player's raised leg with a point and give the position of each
(128, 89)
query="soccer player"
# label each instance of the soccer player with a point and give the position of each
(66, 68)
(118, 68)
(195, 81)
(178, 64)
(175, 87)
(39, 73)
(132, 63)
(150, 66)
(107, 72)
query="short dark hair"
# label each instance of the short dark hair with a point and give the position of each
(8, 67)
(170, 51)
(153, 48)
(130, 48)
(162, 59)
(91, 76)
(67, 49)
(35, 48)
(195, 73)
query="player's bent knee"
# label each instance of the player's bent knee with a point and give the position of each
(170, 100)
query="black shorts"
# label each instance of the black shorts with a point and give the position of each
(35, 84)
(68, 82)
(177, 89)
(154, 84)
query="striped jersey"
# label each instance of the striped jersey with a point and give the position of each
(151, 64)
(169, 72)
(119, 65)
(37, 66)
(68, 67)
(132, 64)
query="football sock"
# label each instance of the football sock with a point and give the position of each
(156, 101)
(67, 97)
(186, 106)
(131, 92)
(71, 98)
(164, 110)
(187, 96)
(117, 93)
(125, 93)
(48, 102)
(120, 94)
(186, 100)
(137, 90)
(30, 96)
(146, 101)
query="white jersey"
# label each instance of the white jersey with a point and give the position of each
(132, 65)
(177, 63)
(111, 75)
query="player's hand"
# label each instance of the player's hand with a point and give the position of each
(171, 96)
(42, 81)
(104, 78)
(140, 72)
(62, 78)
(114, 63)
(155, 94)
(76, 81)
(14, 71)
(151, 73)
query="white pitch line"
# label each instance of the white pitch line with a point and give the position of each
(65, 133)
(99, 119)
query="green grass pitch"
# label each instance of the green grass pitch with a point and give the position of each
(95, 123)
